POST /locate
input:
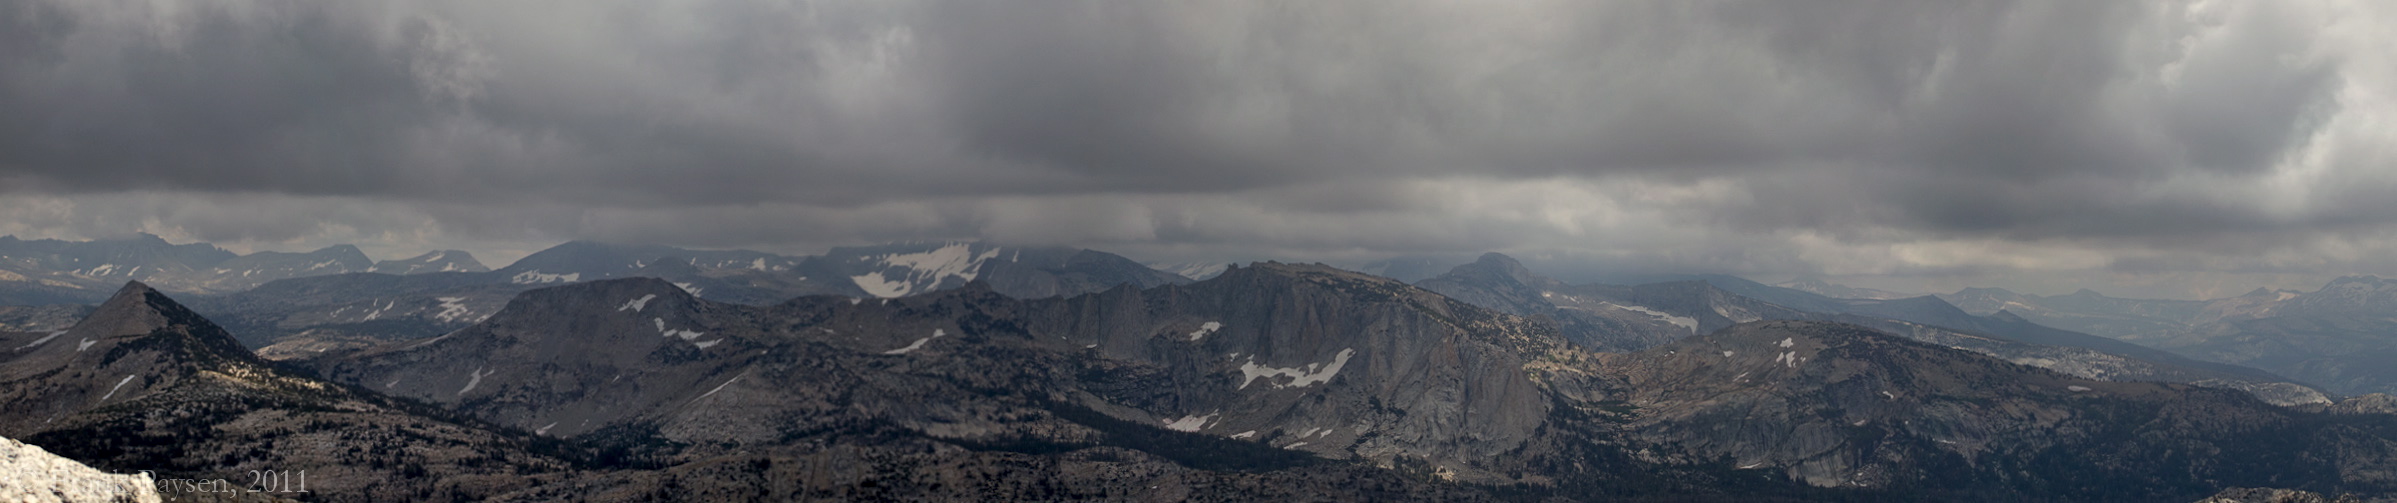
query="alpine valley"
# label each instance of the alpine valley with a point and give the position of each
(968, 371)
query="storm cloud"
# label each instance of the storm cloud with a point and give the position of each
(2156, 148)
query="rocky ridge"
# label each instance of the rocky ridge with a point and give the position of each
(1617, 318)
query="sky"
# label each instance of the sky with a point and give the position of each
(2158, 149)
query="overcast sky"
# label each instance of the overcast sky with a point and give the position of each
(2177, 149)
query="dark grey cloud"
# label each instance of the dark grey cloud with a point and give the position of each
(1951, 139)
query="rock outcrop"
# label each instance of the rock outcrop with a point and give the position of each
(29, 474)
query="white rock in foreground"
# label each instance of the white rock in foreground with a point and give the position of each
(28, 473)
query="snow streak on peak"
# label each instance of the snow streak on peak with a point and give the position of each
(535, 276)
(923, 271)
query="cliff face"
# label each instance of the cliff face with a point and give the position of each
(30, 474)
(1316, 359)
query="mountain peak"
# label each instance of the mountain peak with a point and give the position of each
(1977, 290)
(1498, 259)
(432, 261)
(132, 288)
(2361, 278)
(146, 238)
(140, 311)
(1279, 272)
(132, 310)
(1497, 265)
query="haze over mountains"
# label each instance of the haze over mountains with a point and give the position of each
(960, 371)
(2325, 339)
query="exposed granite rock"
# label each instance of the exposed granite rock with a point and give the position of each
(29, 474)
(2376, 403)
(2252, 495)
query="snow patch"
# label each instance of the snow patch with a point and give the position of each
(452, 309)
(1300, 377)
(1787, 342)
(1727, 354)
(687, 288)
(535, 277)
(2077, 389)
(925, 270)
(1244, 434)
(1204, 329)
(636, 305)
(918, 344)
(379, 311)
(473, 378)
(435, 339)
(719, 387)
(1788, 358)
(120, 385)
(708, 344)
(1682, 321)
(874, 284)
(668, 332)
(1190, 423)
(46, 338)
(1736, 314)
(86, 344)
(544, 431)
(1294, 446)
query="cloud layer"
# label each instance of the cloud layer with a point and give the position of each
(2167, 148)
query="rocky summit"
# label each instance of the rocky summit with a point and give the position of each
(29, 474)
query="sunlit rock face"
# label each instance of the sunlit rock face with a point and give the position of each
(32, 475)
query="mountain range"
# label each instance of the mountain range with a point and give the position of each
(2340, 337)
(1268, 381)
(352, 310)
(1626, 318)
(337, 298)
(968, 371)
